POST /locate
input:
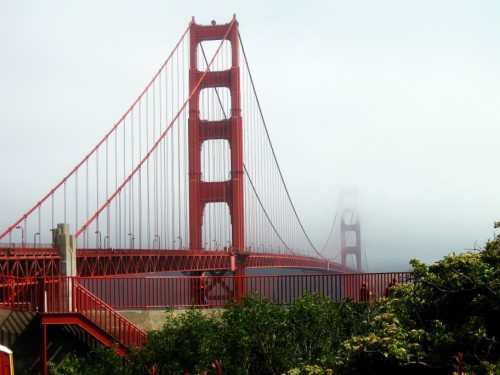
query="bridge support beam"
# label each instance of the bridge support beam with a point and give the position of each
(229, 191)
(350, 235)
(200, 130)
(62, 239)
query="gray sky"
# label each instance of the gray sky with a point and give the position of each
(397, 99)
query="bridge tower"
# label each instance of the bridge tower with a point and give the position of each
(200, 130)
(350, 237)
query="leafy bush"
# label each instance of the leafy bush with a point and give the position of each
(187, 342)
(257, 338)
(100, 360)
(452, 307)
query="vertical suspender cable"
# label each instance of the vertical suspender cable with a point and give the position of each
(39, 224)
(173, 170)
(98, 233)
(76, 203)
(64, 193)
(117, 203)
(148, 187)
(52, 199)
(155, 167)
(133, 181)
(179, 161)
(85, 238)
(140, 217)
(161, 151)
(184, 140)
(124, 196)
(108, 229)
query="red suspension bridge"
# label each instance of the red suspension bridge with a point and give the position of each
(187, 180)
(188, 173)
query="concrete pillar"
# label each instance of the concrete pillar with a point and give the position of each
(67, 249)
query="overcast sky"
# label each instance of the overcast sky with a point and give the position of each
(396, 99)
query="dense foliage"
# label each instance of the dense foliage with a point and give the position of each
(452, 307)
(101, 360)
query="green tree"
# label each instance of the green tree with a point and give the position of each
(318, 326)
(462, 292)
(257, 338)
(452, 306)
(187, 342)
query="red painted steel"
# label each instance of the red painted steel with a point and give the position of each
(26, 261)
(19, 293)
(29, 262)
(263, 260)
(67, 301)
(6, 361)
(96, 297)
(352, 231)
(88, 326)
(231, 191)
(92, 262)
(39, 262)
(125, 262)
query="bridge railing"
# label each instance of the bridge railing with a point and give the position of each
(29, 250)
(23, 294)
(53, 294)
(181, 291)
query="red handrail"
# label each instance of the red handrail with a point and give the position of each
(145, 292)
(97, 298)
(102, 315)
(66, 295)
(17, 293)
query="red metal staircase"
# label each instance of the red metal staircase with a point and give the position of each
(66, 301)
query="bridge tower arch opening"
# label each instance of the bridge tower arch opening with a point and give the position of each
(216, 227)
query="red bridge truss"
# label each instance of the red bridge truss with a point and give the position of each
(38, 262)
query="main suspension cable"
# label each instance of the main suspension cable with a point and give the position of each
(272, 150)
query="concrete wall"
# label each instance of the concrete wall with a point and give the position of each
(152, 320)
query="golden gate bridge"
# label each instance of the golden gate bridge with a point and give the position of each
(188, 167)
(186, 180)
